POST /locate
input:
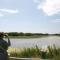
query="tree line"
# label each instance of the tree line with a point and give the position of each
(25, 34)
(29, 34)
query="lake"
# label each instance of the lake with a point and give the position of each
(42, 42)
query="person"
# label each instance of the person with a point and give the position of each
(4, 46)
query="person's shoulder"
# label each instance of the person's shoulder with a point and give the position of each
(3, 41)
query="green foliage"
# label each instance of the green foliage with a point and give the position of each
(21, 34)
(25, 34)
(56, 57)
(13, 34)
(27, 52)
(52, 53)
(28, 34)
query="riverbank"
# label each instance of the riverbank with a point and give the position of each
(27, 37)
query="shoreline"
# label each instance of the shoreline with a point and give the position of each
(27, 37)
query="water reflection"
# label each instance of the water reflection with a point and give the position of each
(40, 42)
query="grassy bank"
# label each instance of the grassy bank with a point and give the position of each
(49, 53)
(26, 36)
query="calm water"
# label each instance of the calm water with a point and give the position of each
(40, 42)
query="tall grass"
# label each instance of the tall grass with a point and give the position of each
(37, 53)
(26, 52)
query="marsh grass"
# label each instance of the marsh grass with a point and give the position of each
(51, 53)
(26, 52)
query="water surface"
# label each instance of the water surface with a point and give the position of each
(32, 42)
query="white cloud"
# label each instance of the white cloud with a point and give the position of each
(50, 7)
(55, 21)
(36, 1)
(9, 10)
(4, 12)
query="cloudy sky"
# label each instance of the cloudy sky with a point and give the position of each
(37, 16)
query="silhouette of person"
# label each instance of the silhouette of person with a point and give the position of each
(4, 46)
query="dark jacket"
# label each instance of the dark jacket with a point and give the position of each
(4, 44)
(3, 49)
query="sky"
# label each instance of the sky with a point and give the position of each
(35, 16)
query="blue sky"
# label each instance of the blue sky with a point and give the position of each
(37, 16)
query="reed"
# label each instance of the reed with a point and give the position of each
(36, 53)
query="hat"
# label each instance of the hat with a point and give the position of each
(1, 34)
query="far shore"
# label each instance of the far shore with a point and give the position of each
(26, 36)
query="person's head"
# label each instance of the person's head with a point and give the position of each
(1, 34)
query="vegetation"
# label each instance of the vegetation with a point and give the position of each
(56, 34)
(25, 34)
(30, 34)
(50, 53)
